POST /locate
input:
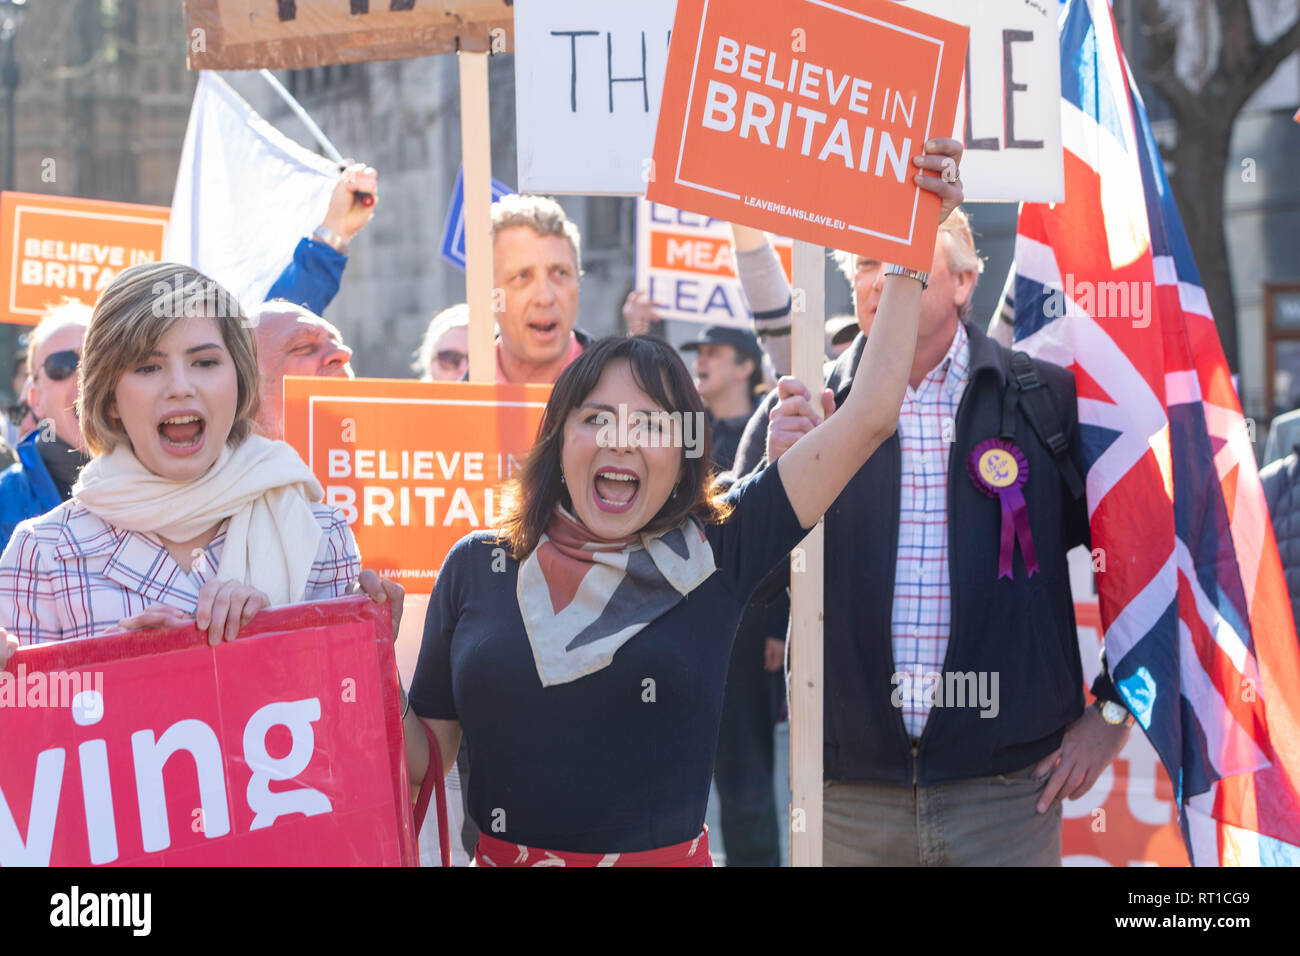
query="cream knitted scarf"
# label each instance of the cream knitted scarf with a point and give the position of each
(262, 486)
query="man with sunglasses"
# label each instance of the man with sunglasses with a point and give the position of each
(52, 454)
(443, 355)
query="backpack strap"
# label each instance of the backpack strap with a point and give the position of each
(1010, 401)
(1041, 413)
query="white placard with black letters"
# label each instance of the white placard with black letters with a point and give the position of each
(588, 78)
(1009, 115)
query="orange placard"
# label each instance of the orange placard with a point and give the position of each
(415, 466)
(53, 247)
(1129, 816)
(802, 117)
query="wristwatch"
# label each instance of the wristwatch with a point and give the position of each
(892, 269)
(331, 238)
(1113, 713)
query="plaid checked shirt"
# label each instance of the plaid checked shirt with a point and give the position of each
(70, 574)
(922, 596)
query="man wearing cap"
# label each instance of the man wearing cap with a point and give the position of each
(729, 378)
(841, 330)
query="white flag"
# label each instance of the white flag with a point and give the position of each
(245, 194)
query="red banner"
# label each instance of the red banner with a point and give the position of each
(283, 747)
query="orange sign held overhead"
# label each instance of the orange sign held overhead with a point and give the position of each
(415, 466)
(53, 247)
(802, 118)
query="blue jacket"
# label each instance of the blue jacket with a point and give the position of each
(312, 279)
(26, 489)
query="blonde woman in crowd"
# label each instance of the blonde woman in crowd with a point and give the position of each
(183, 514)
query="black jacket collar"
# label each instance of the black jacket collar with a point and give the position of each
(985, 355)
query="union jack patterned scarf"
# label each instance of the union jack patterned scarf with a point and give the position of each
(582, 598)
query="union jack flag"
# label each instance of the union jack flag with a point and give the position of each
(1198, 629)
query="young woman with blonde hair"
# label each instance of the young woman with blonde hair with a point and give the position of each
(182, 514)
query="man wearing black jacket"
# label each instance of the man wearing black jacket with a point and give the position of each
(954, 710)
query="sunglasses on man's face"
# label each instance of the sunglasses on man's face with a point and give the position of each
(450, 358)
(59, 365)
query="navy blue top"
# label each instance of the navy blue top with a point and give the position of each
(617, 761)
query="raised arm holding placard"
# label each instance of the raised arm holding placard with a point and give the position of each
(629, 573)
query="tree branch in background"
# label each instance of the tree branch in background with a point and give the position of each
(1205, 117)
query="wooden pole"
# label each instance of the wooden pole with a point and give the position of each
(806, 583)
(476, 156)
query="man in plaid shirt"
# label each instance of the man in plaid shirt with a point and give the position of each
(954, 716)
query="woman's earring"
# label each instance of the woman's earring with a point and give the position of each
(674, 494)
(561, 477)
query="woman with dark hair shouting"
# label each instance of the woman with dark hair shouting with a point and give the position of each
(583, 647)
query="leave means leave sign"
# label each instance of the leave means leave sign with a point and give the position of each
(802, 119)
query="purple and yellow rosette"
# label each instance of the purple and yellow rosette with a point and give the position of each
(999, 470)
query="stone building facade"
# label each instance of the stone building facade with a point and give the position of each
(102, 103)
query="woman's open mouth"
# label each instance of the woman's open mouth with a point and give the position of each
(182, 434)
(615, 489)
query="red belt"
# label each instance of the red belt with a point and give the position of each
(494, 852)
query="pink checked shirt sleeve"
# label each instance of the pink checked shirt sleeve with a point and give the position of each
(338, 563)
(68, 574)
(28, 609)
